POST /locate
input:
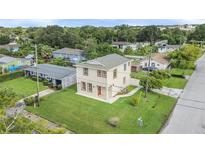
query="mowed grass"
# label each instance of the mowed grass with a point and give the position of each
(86, 115)
(22, 86)
(175, 82)
(178, 71)
(138, 75)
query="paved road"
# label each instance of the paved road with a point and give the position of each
(188, 116)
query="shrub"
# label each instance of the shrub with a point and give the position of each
(10, 76)
(135, 101)
(152, 83)
(50, 85)
(58, 87)
(45, 82)
(33, 78)
(113, 121)
(29, 101)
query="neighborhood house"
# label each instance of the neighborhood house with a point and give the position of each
(73, 55)
(11, 47)
(123, 45)
(10, 64)
(168, 48)
(58, 75)
(103, 78)
(158, 61)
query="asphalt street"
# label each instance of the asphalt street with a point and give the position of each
(188, 116)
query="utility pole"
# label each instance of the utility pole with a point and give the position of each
(146, 88)
(37, 80)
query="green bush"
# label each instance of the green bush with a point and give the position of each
(45, 82)
(58, 87)
(135, 101)
(29, 101)
(10, 76)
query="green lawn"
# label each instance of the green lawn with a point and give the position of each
(85, 115)
(22, 86)
(138, 75)
(178, 71)
(175, 82)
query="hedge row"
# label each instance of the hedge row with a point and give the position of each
(10, 76)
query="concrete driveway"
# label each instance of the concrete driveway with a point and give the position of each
(188, 116)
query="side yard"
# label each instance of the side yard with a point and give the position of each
(22, 86)
(174, 82)
(86, 115)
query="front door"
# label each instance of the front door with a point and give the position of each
(99, 90)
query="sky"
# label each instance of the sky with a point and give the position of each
(95, 22)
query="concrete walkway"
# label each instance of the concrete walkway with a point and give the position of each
(188, 116)
(172, 92)
(19, 108)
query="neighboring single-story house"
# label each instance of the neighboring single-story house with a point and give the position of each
(73, 55)
(158, 61)
(123, 45)
(58, 75)
(10, 64)
(104, 77)
(161, 43)
(11, 47)
(168, 48)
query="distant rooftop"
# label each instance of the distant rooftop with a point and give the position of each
(6, 59)
(160, 57)
(69, 51)
(10, 45)
(120, 43)
(53, 71)
(105, 62)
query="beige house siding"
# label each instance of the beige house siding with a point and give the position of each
(109, 86)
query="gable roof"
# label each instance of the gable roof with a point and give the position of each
(69, 51)
(7, 59)
(120, 43)
(53, 71)
(105, 62)
(10, 45)
(161, 58)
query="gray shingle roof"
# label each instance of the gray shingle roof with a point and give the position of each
(105, 62)
(10, 45)
(120, 43)
(6, 59)
(69, 51)
(53, 71)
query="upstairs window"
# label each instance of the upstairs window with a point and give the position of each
(85, 71)
(101, 73)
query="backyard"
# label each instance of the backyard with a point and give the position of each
(85, 115)
(22, 86)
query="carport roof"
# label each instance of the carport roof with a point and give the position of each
(53, 71)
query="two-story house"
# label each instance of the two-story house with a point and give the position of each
(73, 55)
(104, 77)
